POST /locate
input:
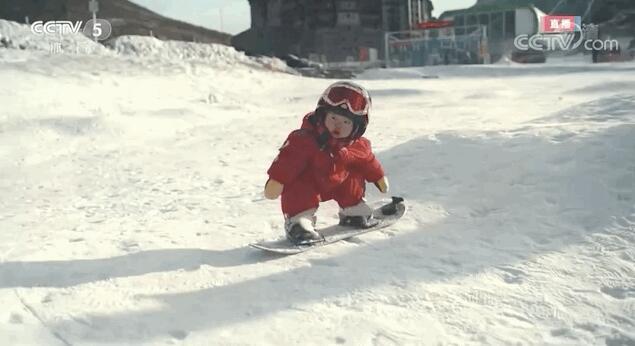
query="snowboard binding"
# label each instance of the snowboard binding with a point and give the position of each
(364, 222)
(391, 208)
(298, 235)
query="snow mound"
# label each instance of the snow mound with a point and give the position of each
(216, 54)
(505, 60)
(19, 36)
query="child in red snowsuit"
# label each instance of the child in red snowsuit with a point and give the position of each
(327, 158)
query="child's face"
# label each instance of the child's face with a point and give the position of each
(338, 125)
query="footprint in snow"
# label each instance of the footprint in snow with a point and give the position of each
(178, 334)
(16, 319)
(619, 292)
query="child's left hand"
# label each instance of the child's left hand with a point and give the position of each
(382, 184)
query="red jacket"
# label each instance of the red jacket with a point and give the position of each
(301, 155)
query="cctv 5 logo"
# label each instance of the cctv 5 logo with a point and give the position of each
(99, 29)
(54, 27)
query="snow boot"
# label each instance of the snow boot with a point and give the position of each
(358, 216)
(300, 228)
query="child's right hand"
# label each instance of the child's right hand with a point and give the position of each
(273, 189)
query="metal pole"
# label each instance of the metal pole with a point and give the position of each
(409, 14)
(425, 11)
(94, 23)
(387, 52)
(93, 6)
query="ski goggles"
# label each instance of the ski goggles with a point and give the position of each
(357, 101)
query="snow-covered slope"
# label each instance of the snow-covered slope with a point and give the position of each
(130, 187)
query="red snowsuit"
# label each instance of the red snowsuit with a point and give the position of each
(310, 175)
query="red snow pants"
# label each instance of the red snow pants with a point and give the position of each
(302, 194)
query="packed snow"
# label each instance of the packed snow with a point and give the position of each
(131, 185)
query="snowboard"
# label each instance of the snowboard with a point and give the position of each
(387, 214)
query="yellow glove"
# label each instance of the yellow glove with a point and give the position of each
(382, 184)
(273, 189)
